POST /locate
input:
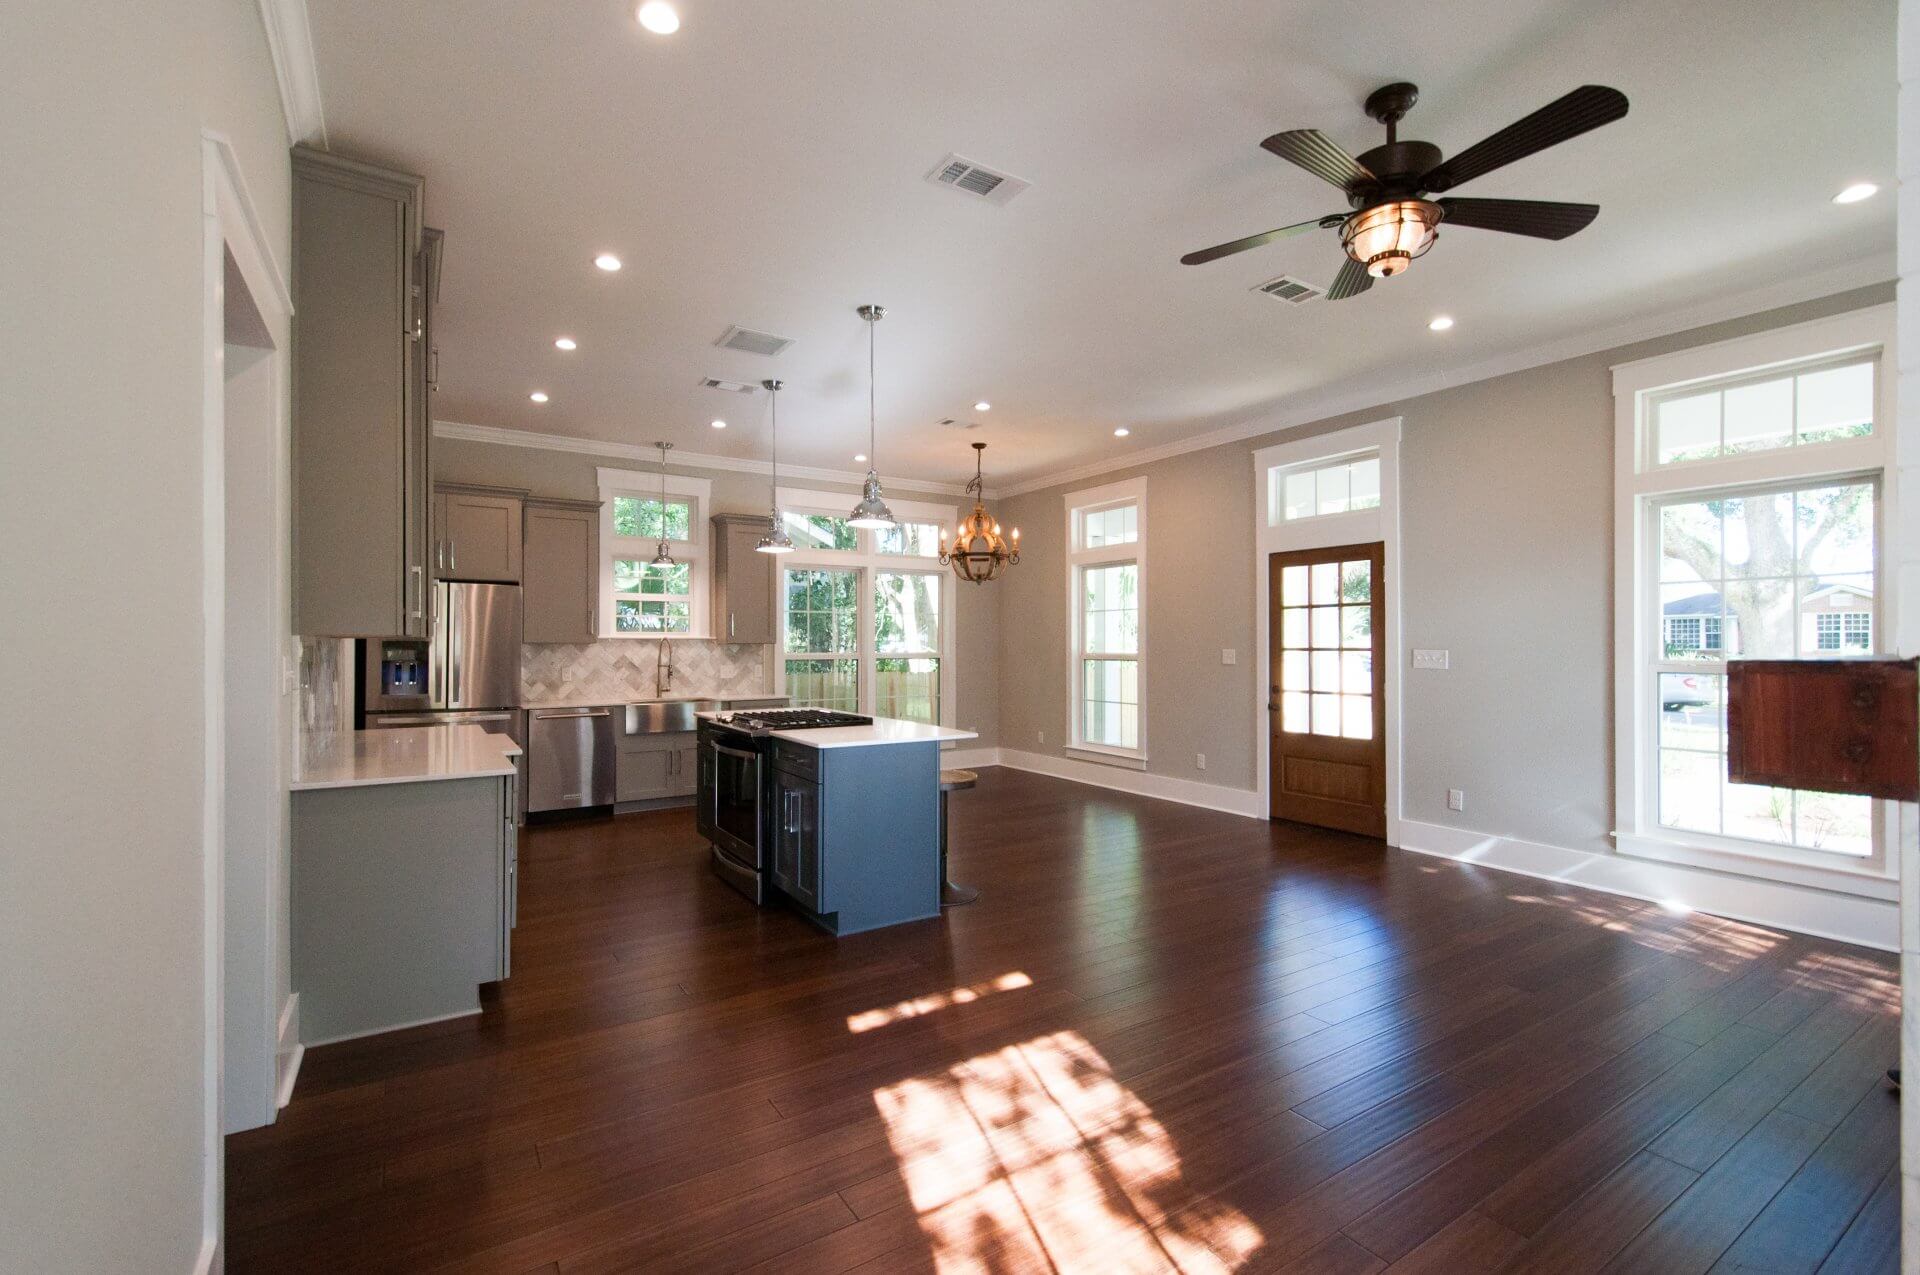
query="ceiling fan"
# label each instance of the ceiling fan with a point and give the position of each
(1393, 220)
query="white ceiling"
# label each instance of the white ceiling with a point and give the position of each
(764, 167)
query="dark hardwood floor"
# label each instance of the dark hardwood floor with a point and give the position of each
(1163, 1039)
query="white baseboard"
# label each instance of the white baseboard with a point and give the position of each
(288, 1051)
(1822, 913)
(969, 758)
(397, 1027)
(1233, 801)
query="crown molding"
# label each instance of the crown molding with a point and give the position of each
(290, 41)
(1879, 268)
(647, 453)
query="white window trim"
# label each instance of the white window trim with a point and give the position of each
(1275, 533)
(638, 482)
(1640, 483)
(867, 559)
(1091, 500)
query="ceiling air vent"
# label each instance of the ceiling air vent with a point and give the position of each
(953, 423)
(974, 179)
(751, 342)
(1286, 288)
(737, 387)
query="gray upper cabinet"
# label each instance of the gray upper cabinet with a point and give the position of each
(560, 599)
(477, 534)
(743, 606)
(361, 445)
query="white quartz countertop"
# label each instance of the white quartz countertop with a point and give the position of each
(401, 755)
(884, 730)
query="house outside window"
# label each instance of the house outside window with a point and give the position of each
(1106, 606)
(866, 623)
(638, 599)
(1751, 508)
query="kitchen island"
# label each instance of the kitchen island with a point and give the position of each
(404, 866)
(841, 820)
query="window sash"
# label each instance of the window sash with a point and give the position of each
(1081, 559)
(865, 657)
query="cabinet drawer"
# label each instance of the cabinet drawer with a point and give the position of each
(796, 759)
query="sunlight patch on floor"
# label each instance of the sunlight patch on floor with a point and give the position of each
(1666, 926)
(867, 1020)
(1035, 1157)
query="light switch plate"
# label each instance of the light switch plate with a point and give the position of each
(1229, 656)
(1429, 659)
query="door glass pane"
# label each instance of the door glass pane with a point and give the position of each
(1326, 670)
(1293, 586)
(908, 688)
(1356, 672)
(1356, 581)
(1356, 626)
(1326, 626)
(1326, 714)
(1356, 716)
(824, 684)
(1293, 670)
(1293, 627)
(1293, 712)
(1326, 582)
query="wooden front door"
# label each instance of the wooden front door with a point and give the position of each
(1326, 703)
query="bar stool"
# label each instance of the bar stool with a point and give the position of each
(951, 895)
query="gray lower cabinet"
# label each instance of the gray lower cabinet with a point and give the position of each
(404, 901)
(856, 832)
(656, 767)
(361, 463)
(743, 578)
(560, 561)
(477, 534)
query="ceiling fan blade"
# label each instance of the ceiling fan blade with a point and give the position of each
(1541, 218)
(1218, 251)
(1320, 155)
(1352, 280)
(1584, 109)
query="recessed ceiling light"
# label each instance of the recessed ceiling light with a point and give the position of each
(1856, 192)
(983, 406)
(658, 17)
(538, 396)
(1122, 432)
(719, 424)
(1441, 322)
(861, 459)
(566, 343)
(607, 261)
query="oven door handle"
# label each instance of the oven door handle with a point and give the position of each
(742, 754)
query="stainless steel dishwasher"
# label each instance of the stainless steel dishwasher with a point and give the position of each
(570, 758)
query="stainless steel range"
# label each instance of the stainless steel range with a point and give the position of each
(734, 807)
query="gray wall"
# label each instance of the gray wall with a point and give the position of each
(1506, 561)
(101, 899)
(571, 474)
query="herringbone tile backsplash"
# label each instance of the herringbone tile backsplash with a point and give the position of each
(623, 669)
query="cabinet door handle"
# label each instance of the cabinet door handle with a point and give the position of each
(453, 556)
(419, 587)
(729, 624)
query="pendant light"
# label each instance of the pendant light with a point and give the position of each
(979, 553)
(661, 558)
(872, 512)
(776, 540)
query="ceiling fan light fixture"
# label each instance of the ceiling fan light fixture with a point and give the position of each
(1387, 237)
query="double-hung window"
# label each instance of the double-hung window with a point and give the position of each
(1106, 607)
(866, 622)
(1752, 503)
(639, 599)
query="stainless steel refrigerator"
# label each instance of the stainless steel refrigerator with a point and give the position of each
(468, 671)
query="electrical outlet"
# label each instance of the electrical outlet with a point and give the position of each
(1200, 760)
(1229, 656)
(1040, 735)
(1429, 659)
(1456, 799)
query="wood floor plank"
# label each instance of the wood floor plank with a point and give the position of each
(1235, 1045)
(1871, 1245)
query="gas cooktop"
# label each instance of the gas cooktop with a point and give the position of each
(759, 721)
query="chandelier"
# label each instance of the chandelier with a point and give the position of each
(978, 553)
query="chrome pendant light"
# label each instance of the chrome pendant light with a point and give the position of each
(776, 540)
(872, 512)
(661, 557)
